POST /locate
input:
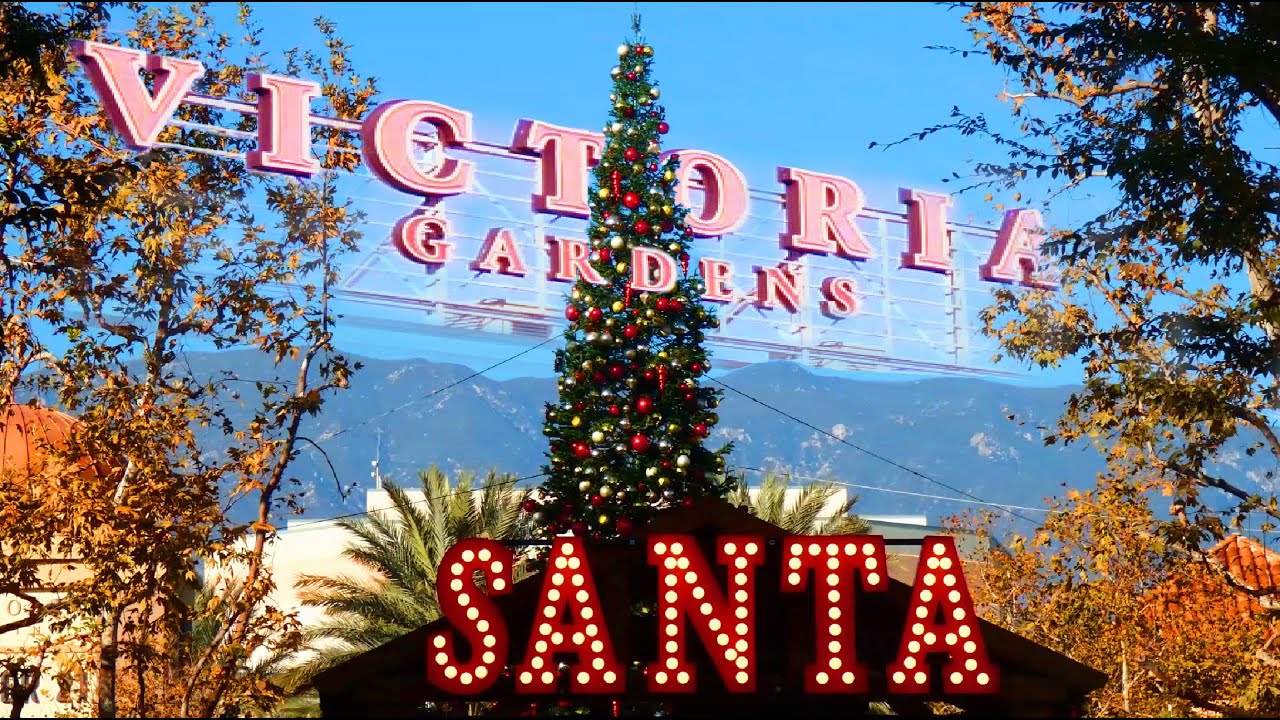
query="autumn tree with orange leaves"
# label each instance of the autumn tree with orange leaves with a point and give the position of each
(1098, 582)
(114, 265)
(1164, 115)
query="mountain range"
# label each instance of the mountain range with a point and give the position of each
(928, 447)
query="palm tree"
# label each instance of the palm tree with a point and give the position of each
(804, 516)
(402, 548)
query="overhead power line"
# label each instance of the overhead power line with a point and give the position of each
(433, 393)
(873, 454)
(477, 488)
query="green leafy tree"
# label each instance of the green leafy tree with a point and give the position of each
(804, 515)
(1170, 294)
(627, 435)
(401, 549)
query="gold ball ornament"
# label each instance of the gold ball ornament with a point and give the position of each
(576, 421)
(622, 268)
(617, 306)
(674, 247)
(616, 243)
(667, 210)
(598, 436)
(603, 520)
(603, 193)
(668, 176)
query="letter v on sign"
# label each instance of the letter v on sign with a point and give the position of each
(136, 113)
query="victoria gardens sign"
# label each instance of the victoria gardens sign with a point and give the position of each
(712, 603)
(842, 283)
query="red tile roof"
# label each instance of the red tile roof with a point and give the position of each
(1250, 564)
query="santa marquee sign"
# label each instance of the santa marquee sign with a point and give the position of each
(820, 209)
(569, 647)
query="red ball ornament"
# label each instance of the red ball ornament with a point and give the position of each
(661, 304)
(629, 112)
(675, 306)
(653, 167)
(581, 450)
(630, 331)
(595, 314)
(649, 375)
(644, 405)
(639, 443)
(631, 200)
(686, 502)
(605, 254)
(690, 397)
(578, 375)
(579, 405)
(572, 313)
(553, 528)
(642, 226)
(596, 500)
(617, 372)
(695, 366)
(528, 506)
(666, 464)
(663, 128)
(625, 526)
(631, 154)
(701, 430)
(667, 225)
(598, 377)
(614, 410)
(578, 527)
(631, 76)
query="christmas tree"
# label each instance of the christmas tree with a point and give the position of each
(627, 437)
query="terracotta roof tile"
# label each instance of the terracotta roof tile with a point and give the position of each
(1248, 561)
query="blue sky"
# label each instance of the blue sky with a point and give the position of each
(807, 85)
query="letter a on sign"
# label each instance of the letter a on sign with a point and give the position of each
(941, 621)
(569, 590)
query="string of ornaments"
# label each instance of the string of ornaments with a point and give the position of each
(627, 437)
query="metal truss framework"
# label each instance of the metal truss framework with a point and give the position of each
(907, 320)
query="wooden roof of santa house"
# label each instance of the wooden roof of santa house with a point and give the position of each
(1034, 681)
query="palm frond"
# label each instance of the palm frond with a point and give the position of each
(401, 550)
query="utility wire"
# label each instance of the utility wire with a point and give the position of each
(433, 393)
(873, 454)
(498, 484)
(890, 490)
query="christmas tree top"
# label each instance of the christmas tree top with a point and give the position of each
(627, 437)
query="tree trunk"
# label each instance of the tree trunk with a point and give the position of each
(107, 666)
